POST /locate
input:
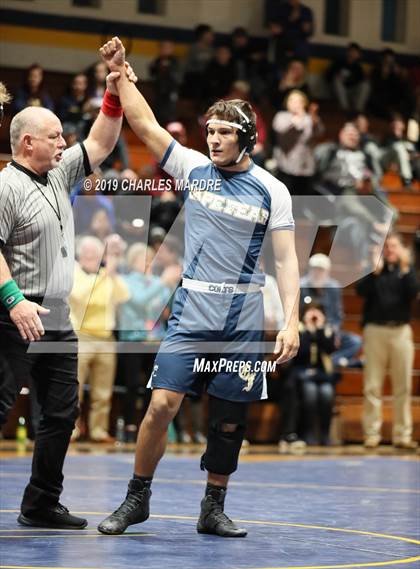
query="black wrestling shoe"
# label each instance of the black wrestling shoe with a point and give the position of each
(134, 509)
(54, 518)
(213, 520)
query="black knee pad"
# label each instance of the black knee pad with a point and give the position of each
(222, 452)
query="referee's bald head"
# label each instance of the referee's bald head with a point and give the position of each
(30, 121)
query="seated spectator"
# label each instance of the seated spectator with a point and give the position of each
(142, 318)
(369, 144)
(219, 74)
(388, 293)
(164, 72)
(317, 287)
(33, 93)
(295, 130)
(343, 169)
(294, 78)
(199, 56)
(96, 294)
(348, 80)
(391, 91)
(73, 109)
(401, 151)
(313, 371)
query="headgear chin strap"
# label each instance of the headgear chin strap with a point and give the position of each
(247, 133)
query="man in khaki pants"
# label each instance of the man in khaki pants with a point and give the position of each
(96, 294)
(388, 342)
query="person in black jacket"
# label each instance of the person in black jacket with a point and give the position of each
(388, 342)
(348, 80)
(313, 371)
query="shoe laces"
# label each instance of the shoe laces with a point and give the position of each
(219, 515)
(62, 509)
(131, 502)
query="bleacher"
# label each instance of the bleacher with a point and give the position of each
(264, 424)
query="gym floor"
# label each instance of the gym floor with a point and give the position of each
(340, 508)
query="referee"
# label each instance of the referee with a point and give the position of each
(36, 268)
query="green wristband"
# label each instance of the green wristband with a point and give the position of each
(10, 294)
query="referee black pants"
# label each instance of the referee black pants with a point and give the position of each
(54, 374)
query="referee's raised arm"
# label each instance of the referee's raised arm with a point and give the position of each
(106, 129)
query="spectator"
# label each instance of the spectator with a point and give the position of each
(369, 144)
(96, 294)
(167, 248)
(295, 130)
(164, 72)
(86, 202)
(313, 370)
(33, 93)
(297, 23)
(101, 225)
(166, 205)
(391, 92)
(142, 319)
(317, 287)
(388, 342)
(70, 135)
(402, 152)
(279, 53)
(74, 105)
(343, 169)
(241, 51)
(349, 81)
(118, 160)
(219, 74)
(285, 387)
(97, 84)
(191, 408)
(293, 79)
(198, 58)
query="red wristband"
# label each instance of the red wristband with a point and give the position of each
(111, 106)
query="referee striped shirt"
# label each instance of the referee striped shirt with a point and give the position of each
(40, 256)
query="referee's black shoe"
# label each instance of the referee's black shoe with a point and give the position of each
(213, 520)
(134, 509)
(55, 518)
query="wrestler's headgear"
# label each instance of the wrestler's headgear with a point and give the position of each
(247, 132)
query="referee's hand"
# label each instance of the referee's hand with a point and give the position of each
(25, 316)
